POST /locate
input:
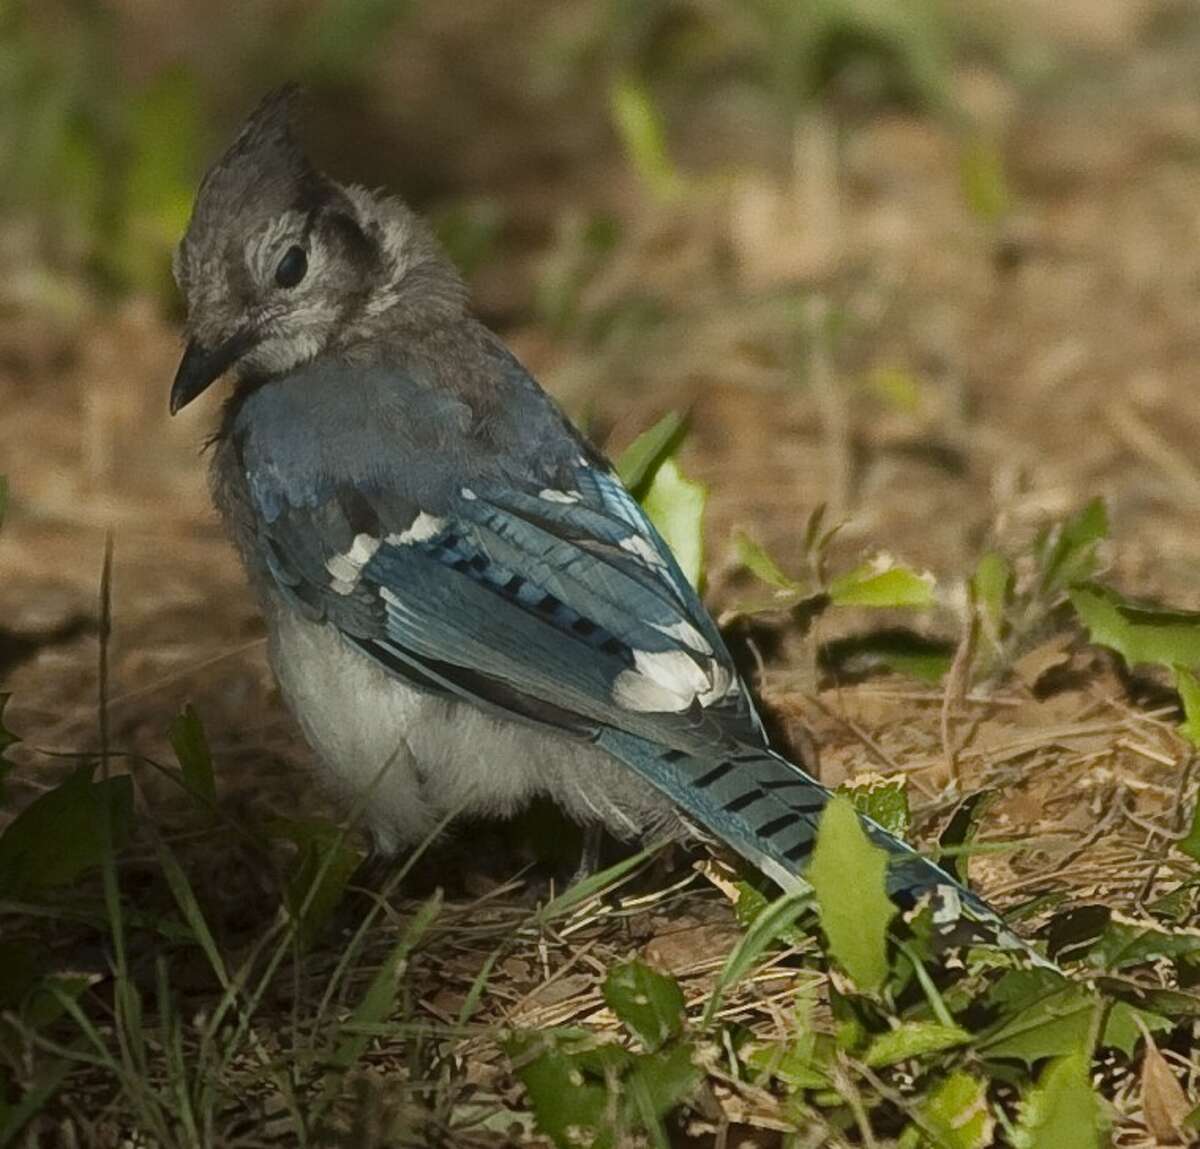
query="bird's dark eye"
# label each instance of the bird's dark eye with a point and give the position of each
(292, 267)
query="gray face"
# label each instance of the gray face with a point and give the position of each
(277, 259)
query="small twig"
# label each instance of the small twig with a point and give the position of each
(957, 682)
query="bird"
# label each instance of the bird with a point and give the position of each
(465, 607)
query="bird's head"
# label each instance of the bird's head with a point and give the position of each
(280, 263)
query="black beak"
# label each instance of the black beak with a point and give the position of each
(201, 367)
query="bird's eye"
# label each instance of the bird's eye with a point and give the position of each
(292, 268)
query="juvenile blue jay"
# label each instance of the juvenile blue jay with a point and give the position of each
(453, 579)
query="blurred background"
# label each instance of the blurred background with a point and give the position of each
(933, 265)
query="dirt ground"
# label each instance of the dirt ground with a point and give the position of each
(1053, 359)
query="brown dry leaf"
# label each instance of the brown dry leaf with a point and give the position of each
(1164, 1103)
(1030, 668)
(681, 950)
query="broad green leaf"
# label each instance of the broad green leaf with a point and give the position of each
(324, 867)
(1063, 1112)
(759, 563)
(1123, 1029)
(676, 507)
(882, 583)
(643, 137)
(7, 739)
(379, 1001)
(1138, 633)
(956, 1112)
(569, 1109)
(59, 836)
(1127, 942)
(648, 1003)
(848, 876)
(985, 189)
(187, 738)
(1042, 1016)
(992, 584)
(883, 800)
(1068, 553)
(913, 1039)
(1189, 694)
(639, 462)
(658, 1082)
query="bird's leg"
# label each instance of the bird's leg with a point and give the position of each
(589, 854)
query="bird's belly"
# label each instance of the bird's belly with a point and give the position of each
(406, 759)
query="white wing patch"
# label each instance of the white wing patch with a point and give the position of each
(644, 549)
(669, 681)
(422, 527)
(346, 569)
(553, 496)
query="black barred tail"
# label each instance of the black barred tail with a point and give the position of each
(768, 809)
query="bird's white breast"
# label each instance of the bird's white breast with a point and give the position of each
(405, 759)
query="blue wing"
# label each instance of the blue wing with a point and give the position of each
(559, 603)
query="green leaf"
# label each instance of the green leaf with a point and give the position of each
(326, 863)
(1123, 1029)
(883, 800)
(569, 1109)
(676, 507)
(1041, 1016)
(985, 189)
(1127, 942)
(639, 462)
(848, 875)
(1062, 1112)
(59, 836)
(658, 1083)
(187, 738)
(913, 1039)
(1140, 634)
(759, 563)
(882, 583)
(648, 1003)
(956, 1113)
(992, 584)
(643, 137)
(379, 1001)
(1067, 555)
(1189, 694)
